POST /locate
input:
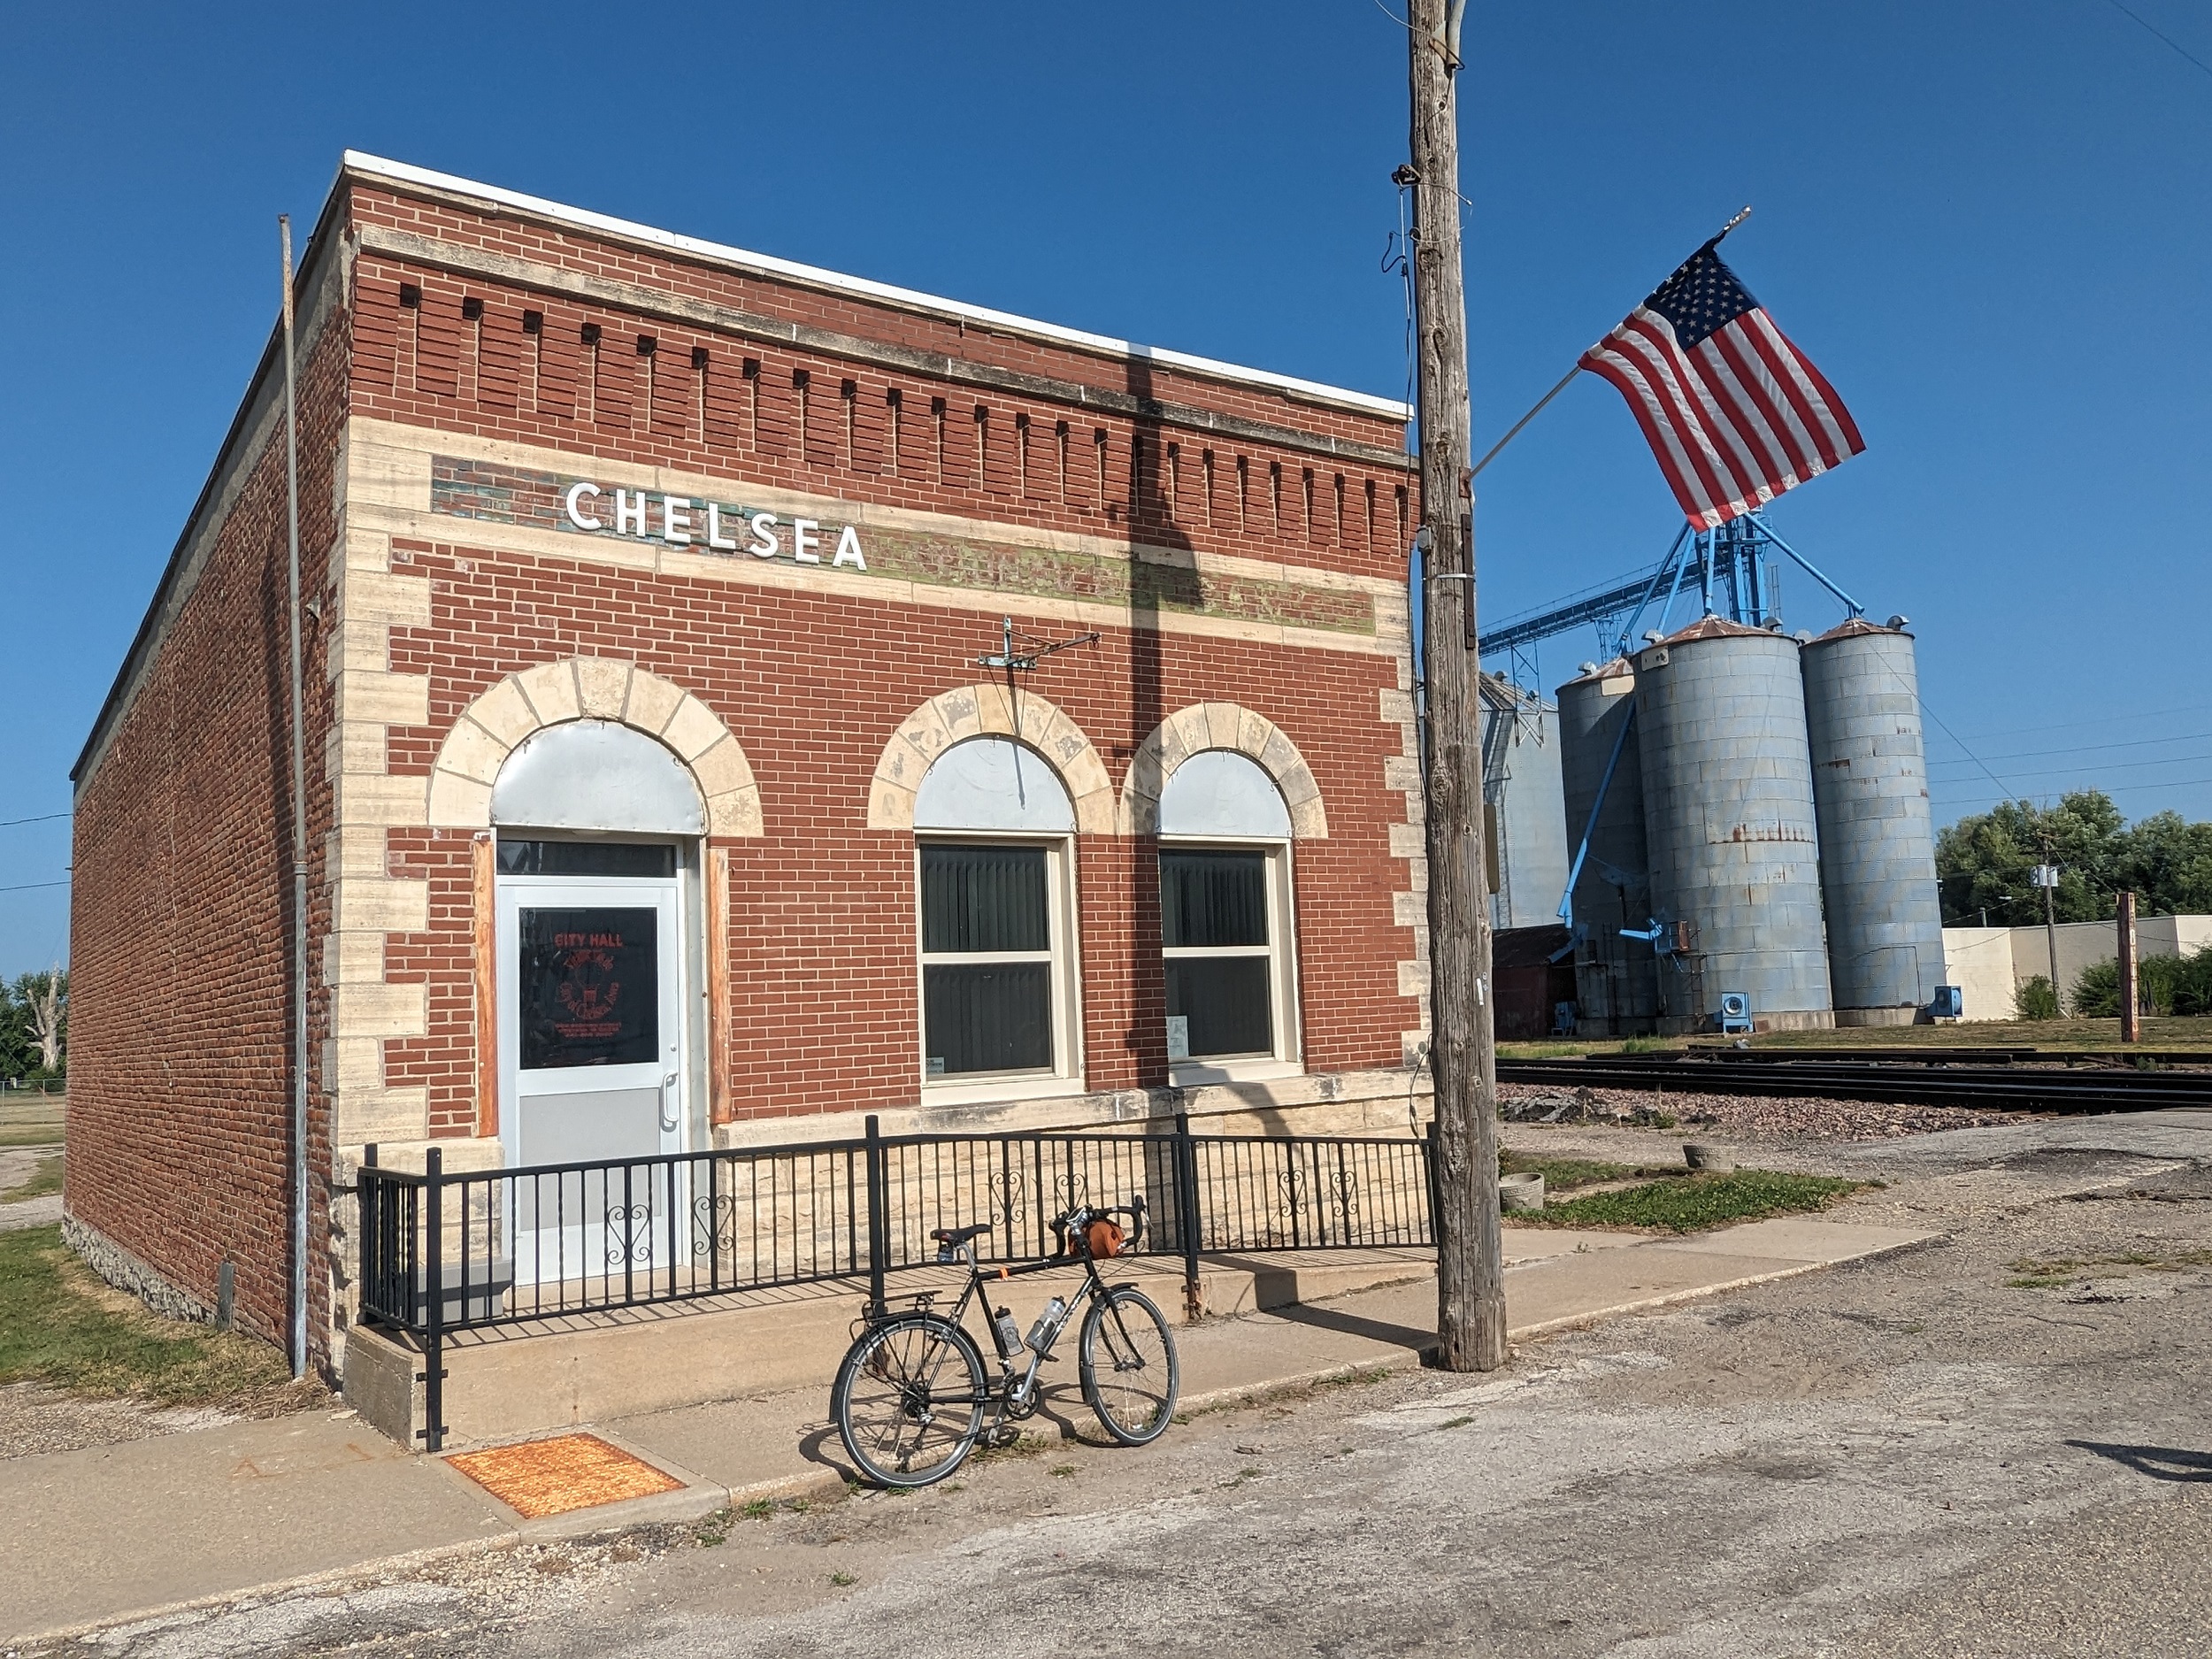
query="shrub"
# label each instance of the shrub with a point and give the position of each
(2163, 985)
(2035, 998)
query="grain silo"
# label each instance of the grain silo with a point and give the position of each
(1730, 826)
(1520, 804)
(1877, 836)
(1617, 981)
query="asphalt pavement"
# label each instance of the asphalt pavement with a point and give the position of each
(1998, 1444)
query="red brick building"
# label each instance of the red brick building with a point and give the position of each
(657, 796)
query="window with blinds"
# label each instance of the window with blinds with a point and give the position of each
(989, 970)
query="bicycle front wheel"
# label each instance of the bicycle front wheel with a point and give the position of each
(908, 1400)
(1130, 1372)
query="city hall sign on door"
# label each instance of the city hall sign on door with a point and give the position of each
(709, 526)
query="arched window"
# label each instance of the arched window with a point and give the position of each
(994, 826)
(597, 775)
(1226, 922)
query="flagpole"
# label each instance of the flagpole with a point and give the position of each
(1742, 214)
(1564, 381)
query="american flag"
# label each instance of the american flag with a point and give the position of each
(1735, 413)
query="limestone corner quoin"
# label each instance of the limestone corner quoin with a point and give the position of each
(466, 357)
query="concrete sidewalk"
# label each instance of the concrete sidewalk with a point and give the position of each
(124, 1532)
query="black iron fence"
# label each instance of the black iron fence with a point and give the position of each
(448, 1251)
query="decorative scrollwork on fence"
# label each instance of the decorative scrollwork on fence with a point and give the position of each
(714, 1223)
(629, 1233)
(1292, 1181)
(1008, 1189)
(1345, 1185)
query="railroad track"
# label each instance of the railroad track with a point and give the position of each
(1922, 1079)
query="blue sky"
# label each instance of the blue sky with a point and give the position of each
(1987, 222)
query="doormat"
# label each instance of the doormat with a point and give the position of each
(571, 1472)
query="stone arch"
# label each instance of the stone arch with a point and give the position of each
(980, 711)
(590, 688)
(1229, 725)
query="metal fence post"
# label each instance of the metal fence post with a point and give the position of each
(372, 1239)
(878, 1220)
(1429, 1167)
(1187, 1221)
(434, 1319)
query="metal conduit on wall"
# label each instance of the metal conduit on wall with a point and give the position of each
(1616, 979)
(1730, 826)
(1876, 834)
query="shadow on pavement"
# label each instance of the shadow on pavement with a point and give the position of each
(2160, 1462)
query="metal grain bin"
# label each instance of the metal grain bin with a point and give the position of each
(1521, 805)
(1876, 835)
(1729, 822)
(1616, 979)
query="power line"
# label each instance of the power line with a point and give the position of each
(2154, 30)
(2118, 788)
(47, 818)
(2065, 726)
(2086, 749)
(28, 885)
(2117, 765)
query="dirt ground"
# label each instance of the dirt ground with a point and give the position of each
(1996, 1444)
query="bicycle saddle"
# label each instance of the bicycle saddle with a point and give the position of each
(959, 1235)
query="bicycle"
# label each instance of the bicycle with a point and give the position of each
(911, 1394)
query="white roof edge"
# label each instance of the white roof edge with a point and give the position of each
(401, 172)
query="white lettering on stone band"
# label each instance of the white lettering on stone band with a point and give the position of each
(685, 521)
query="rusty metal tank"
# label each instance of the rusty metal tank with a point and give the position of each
(1877, 831)
(1730, 826)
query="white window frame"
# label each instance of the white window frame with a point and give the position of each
(1287, 1058)
(1067, 1075)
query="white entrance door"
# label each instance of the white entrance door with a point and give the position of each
(593, 1046)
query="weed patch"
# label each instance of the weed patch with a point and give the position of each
(61, 1326)
(45, 1179)
(1695, 1202)
(2031, 1273)
(1562, 1175)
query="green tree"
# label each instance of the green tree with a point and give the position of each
(1983, 862)
(19, 1049)
(35, 1026)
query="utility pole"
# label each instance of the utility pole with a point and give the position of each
(1469, 1279)
(2046, 878)
(2130, 1018)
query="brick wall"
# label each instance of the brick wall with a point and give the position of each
(180, 1093)
(180, 1105)
(822, 962)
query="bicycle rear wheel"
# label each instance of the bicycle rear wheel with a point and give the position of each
(1131, 1375)
(908, 1400)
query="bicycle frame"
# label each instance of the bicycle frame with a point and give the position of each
(1017, 1389)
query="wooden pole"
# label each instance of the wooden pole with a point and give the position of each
(2130, 1019)
(1469, 1279)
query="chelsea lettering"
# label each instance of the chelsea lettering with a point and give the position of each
(679, 521)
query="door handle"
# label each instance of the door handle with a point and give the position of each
(669, 1121)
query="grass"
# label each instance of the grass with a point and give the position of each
(61, 1326)
(45, 1179)
(2049, 1272)
(1570, 1046)
(1562, 1175)
(1692, 1203)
